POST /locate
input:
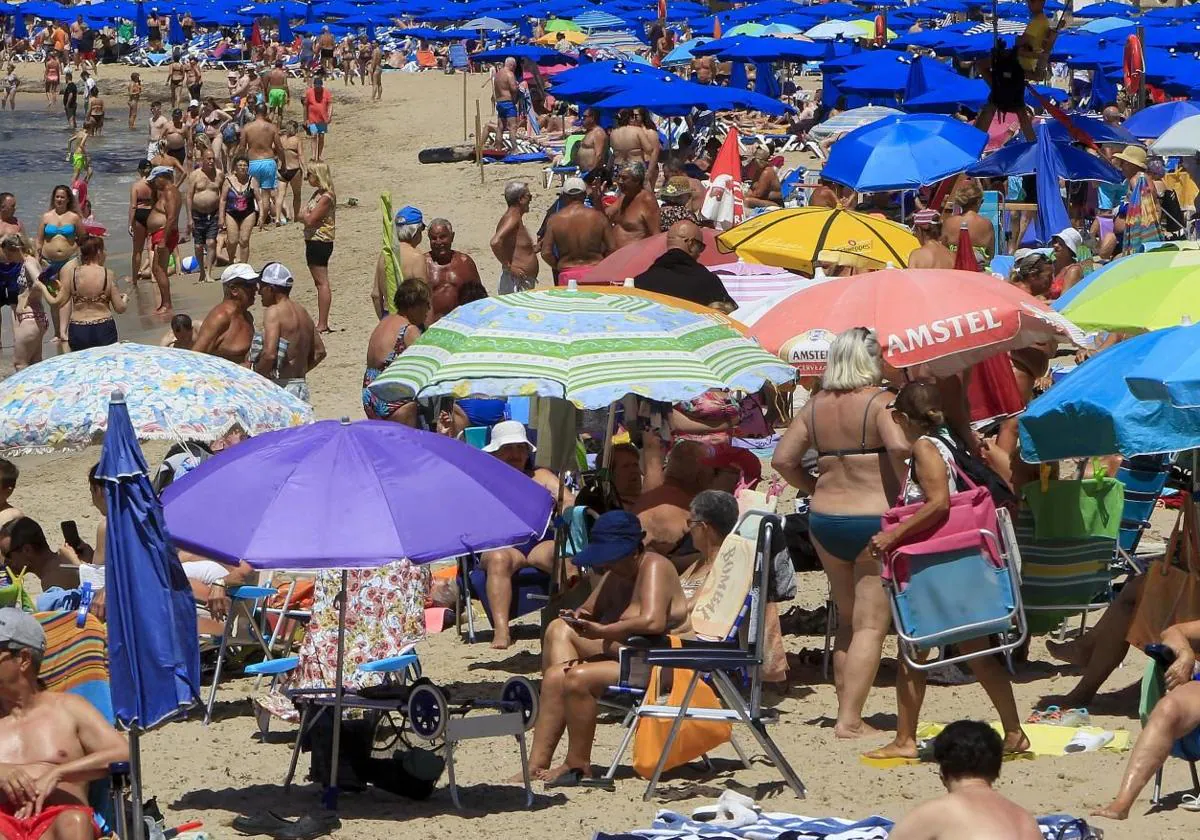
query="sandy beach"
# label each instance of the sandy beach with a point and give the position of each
(214, 773)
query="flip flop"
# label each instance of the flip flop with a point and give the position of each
(1088, 741)
(1190, 802)
(572, 777)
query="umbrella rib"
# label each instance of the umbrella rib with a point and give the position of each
(824, 234)
(903, 263)
(764, 228)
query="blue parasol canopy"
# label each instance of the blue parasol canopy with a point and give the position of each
(1107, 9)
(676, 97)
(1150, 123)
(903, 152)
(1173, 373)
(541, 55)
(154, 654)
(1051, 211)
(1024, 158)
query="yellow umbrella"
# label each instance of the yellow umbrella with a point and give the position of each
(551, 38)
(801, 238)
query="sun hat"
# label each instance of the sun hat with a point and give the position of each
(573, 186)
(276, 274)
(239, 273)
(615, 536)
(677, 186)
(19, 629)
(506, 432)
(1024, 253)
(409, 215)
(1071, 238)
(1135, 155)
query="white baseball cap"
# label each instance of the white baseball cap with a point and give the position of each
(506, 432)
(574, 186)
(276, 274)
(239, 273)
(1070, 238)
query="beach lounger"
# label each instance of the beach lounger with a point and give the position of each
(1145, 478)
(565, 168)
(954, 589)
(426, 60)
(721, 663)
(1154, 689)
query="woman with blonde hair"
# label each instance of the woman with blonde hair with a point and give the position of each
(968, 198)
(21, 289)
(319, 227)
(860, 459)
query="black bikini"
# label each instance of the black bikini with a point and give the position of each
(862, 449)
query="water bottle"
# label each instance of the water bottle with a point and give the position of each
(85, 602)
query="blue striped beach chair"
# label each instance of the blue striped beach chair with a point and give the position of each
(1061, 577)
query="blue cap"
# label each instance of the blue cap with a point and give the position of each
(615, 536)
(409, 215)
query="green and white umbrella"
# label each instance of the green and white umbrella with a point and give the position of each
(589, 347)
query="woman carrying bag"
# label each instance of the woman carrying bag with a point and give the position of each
(931, 479)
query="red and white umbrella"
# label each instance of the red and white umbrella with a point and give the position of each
(749, 283)
(944, 319)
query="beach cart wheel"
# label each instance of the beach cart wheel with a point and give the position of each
(520, 690)
(427, 711)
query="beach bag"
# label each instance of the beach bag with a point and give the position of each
(971, 510)
(980, 473)
(695, 737)
(1172, 590)
(1067, 510)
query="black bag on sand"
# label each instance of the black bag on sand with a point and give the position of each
(980, 473)
(412, 773)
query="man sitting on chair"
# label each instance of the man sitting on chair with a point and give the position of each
(638, 595)
(510, 443)
(51, 744)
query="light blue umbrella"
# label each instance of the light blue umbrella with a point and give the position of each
(683, 52)
(1100, 26)
(1172, 373)
(1150, 123)
(489, 24)
(153, 649)
(1092, 411)
(904, 152)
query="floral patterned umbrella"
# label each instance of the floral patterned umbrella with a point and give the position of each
(61, 404)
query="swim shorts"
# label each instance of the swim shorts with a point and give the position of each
(316, 128)
(32, 828)
(204, 227)
(266, 171)
(277, 97)
(506, 110)
(171, 243)
(510, 283)
(298, 388)
(576, 273)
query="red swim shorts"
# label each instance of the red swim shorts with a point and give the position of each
(156, 239)
(34, 827)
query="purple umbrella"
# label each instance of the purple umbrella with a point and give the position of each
(352, 495)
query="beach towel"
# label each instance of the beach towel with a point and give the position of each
(1142, 217)
(393, 274)
(76, 658)
(723, 593)
(526, 157)
(1045, 739)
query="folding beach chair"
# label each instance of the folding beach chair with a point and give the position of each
(1154, 689)
(1145, 478)
(720, 663)
(458, 58)
(1060, 578)
(565, 168)
(951, 590)
(242, 629)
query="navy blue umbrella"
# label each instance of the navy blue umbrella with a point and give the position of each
(285, 29)
(153, 649)
(1023, 158)
(1098, 130)
(140, 28)
(677, 97)
(175, 31)
(1052, 215)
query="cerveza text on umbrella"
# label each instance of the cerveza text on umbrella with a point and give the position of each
(942, 330)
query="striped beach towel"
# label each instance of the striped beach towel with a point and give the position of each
(76, 658)
(1059, 572)
(1142, 217)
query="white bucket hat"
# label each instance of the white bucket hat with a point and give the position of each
(506, 432)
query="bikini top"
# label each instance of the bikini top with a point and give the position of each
(59, 230)
(862, 449)
(101, 298)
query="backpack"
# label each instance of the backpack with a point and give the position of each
(980, 473)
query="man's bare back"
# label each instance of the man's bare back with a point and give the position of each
(629, 145)
(932, 254)
(579, 235)
(262, 139)
(972, 812)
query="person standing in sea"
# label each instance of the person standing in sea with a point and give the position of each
(163, 225)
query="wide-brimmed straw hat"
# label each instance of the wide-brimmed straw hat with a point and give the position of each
(1135, 155)
(677, 187)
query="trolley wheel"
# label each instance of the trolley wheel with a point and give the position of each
(520, 690)
(427, 711)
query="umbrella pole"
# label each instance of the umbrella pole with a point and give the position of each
(331, 795)
(609, 428)
(138, 829)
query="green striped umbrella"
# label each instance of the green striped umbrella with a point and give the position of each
(590, 347)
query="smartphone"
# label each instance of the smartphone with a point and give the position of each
(445, 405)
(70, 532)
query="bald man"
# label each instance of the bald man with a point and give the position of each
(679, 274)
(504, 88)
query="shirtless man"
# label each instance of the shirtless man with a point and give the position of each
(9, 223)
(228, 329)
(638, 595)
(265, 150)
(175, 77)
(291, 346)
(635, 214)
(376, 70)
(576, 237)
(202, 197)
(194, 78)
(278, 95)
(504, 89)
(158, 125)
(453, 275)
(175, 140)
(663, 510)
(766, 190)
(52, 743)
(631, 144)
(409, 224)
(163, 227)
(512, 244)
(969, 756)
(592, 151)
(927, 225)
(705, 69)
(326, 44)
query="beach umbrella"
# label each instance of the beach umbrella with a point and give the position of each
(724, 200)
(1180, 140)
(832, 29)
(1092, 411)
(339, 495)
(1172, 373)
(799, 239)
(562, 25)
(746, 29)
(1137, 293)
(285, 29)
(597, 19)
(175, 31)
(61, 404)
(1106, 25)
(1098, 130)
(748, 283)
(632, 259)
(153, 649)
(590, 347)
(683, 52)
(489, 24)
(945, 319)
(1106, 9)
(1023, 158)
(903, 152)
(140, 29)
(20, 27)
(542, 55)
(551, 38)
(849, 120)
(674, 96)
